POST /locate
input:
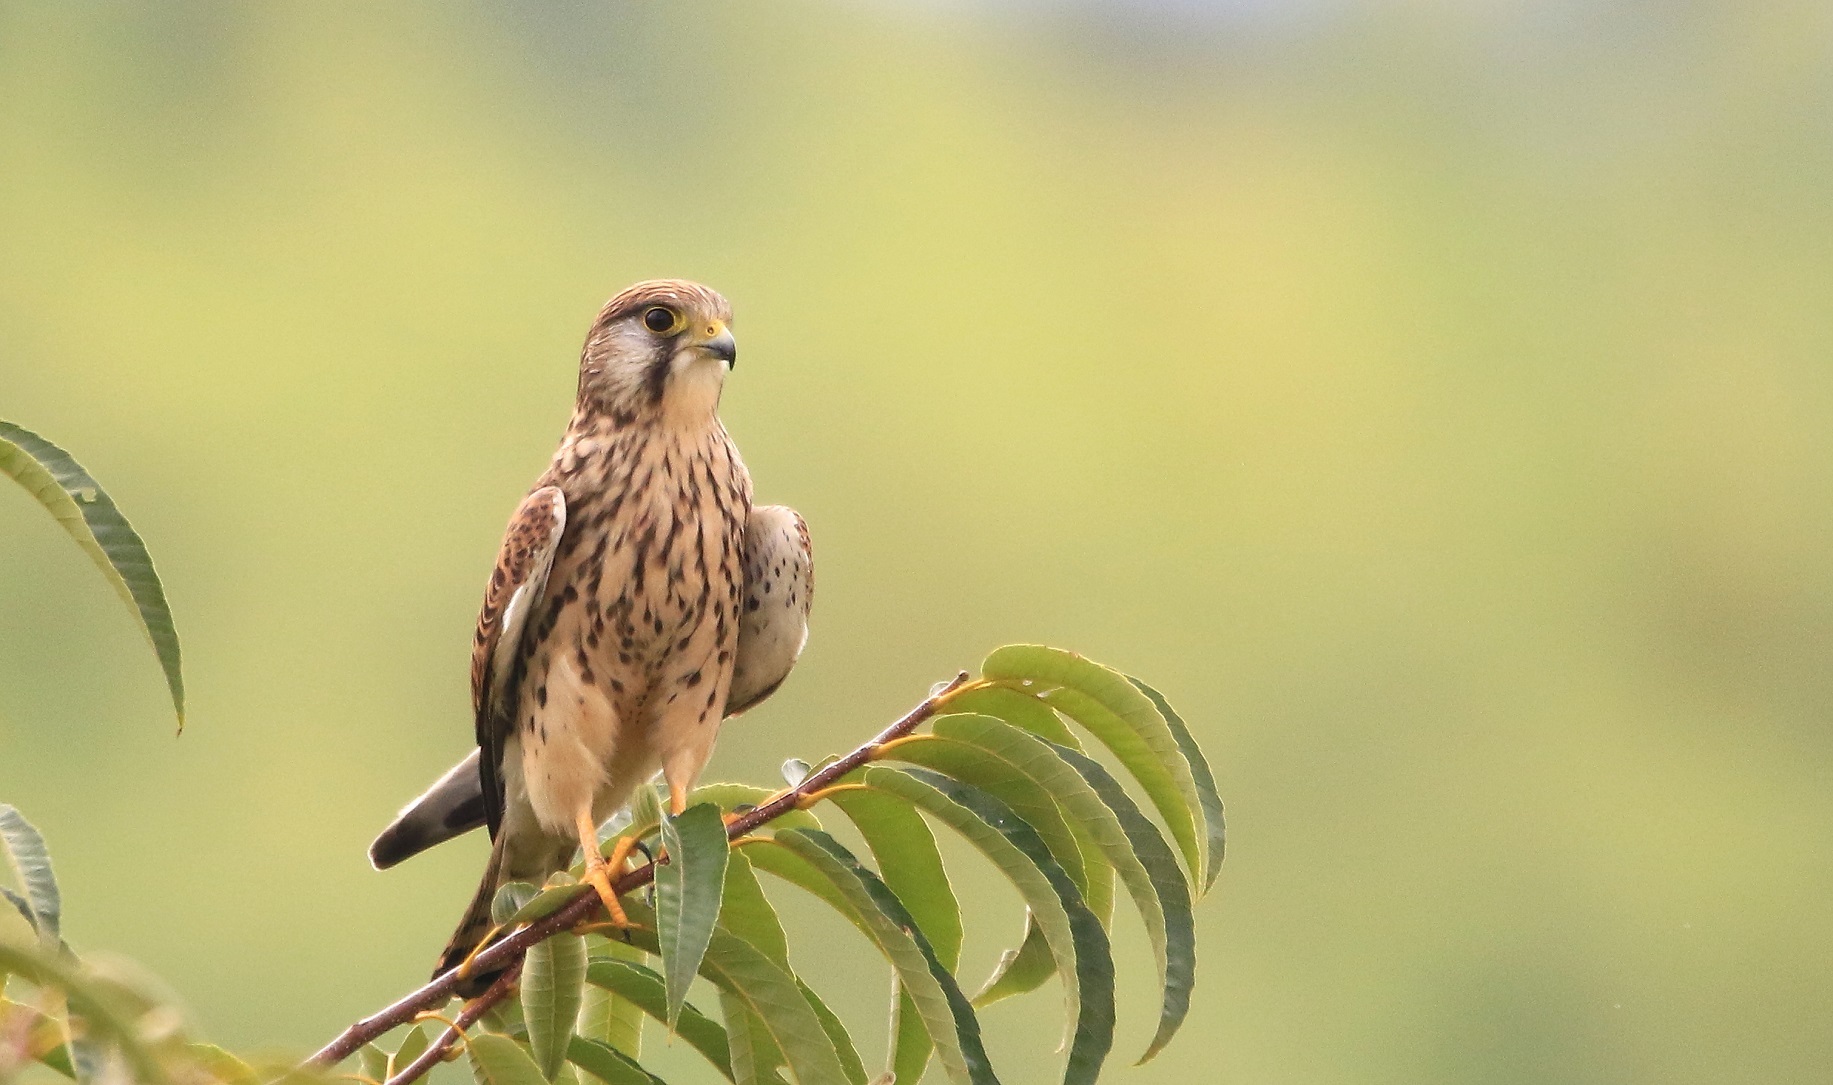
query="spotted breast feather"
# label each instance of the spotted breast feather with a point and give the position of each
(773, 628)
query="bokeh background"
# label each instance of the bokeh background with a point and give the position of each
(1433, 398)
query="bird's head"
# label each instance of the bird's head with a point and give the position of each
(662, 348)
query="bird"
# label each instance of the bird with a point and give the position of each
(637, 600)
(772, 631)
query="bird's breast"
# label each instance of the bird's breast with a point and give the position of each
(651, 554)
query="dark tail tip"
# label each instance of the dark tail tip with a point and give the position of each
(397, 842)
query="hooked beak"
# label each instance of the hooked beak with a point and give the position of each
(719, 343)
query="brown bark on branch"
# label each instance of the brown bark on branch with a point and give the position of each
(476, 1008)
(507, 953)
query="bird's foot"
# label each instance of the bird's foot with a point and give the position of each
(598, 876)
(600, 871)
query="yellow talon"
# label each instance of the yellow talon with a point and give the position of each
(600, 871)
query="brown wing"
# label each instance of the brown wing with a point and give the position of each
(779, 590)
(515, 587)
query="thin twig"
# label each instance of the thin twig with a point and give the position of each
(509, 951)
(467, 1017)
(821, 778)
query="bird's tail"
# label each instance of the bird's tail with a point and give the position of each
(454, 805)
(475, 926)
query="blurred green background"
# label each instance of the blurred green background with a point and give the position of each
(1434, 399)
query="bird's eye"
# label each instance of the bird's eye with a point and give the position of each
(661, 320)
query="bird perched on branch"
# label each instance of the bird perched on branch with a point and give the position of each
(638, 599)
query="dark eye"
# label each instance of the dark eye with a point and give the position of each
(660, 320)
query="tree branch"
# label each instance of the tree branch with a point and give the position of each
(507, 953)
(474, 1009)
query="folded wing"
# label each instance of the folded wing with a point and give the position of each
(779, 590)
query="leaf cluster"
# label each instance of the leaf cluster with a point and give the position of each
(93, 1021)
(1004, 767)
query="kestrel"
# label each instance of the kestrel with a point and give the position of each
(638, 600)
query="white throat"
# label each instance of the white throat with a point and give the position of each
(693, 391)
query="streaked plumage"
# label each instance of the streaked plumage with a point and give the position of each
(611, 629)
(773, 627)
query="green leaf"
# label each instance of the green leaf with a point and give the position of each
(231, 1070)
(278, 1071)
(1034, 806)
(747, 913)
(38, 1033)
(58, 1058)
(605, 1016)
(30, 861)
(100, 1005)
(509, 900)
(775, 998)
(373, 1061)
(505, 1017)
(643, 988)
(608, 1064)
(821, 864)
(89, 515)
(1214, 828)
(850, 1062)
(767, 990)
(732, 797)
(645, 811)
(910, 1042)
(1160, 863)
(1074, 933)
(1125, 720)
(1066, 839)
(1019, 971)
(1031, 803)
(911, 866)
(499, 1060)
(755, 1056)
(552, 986)
(1107, 816)
(689, 887)
(560, 890)
(1020, 709)
(414, 1043)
